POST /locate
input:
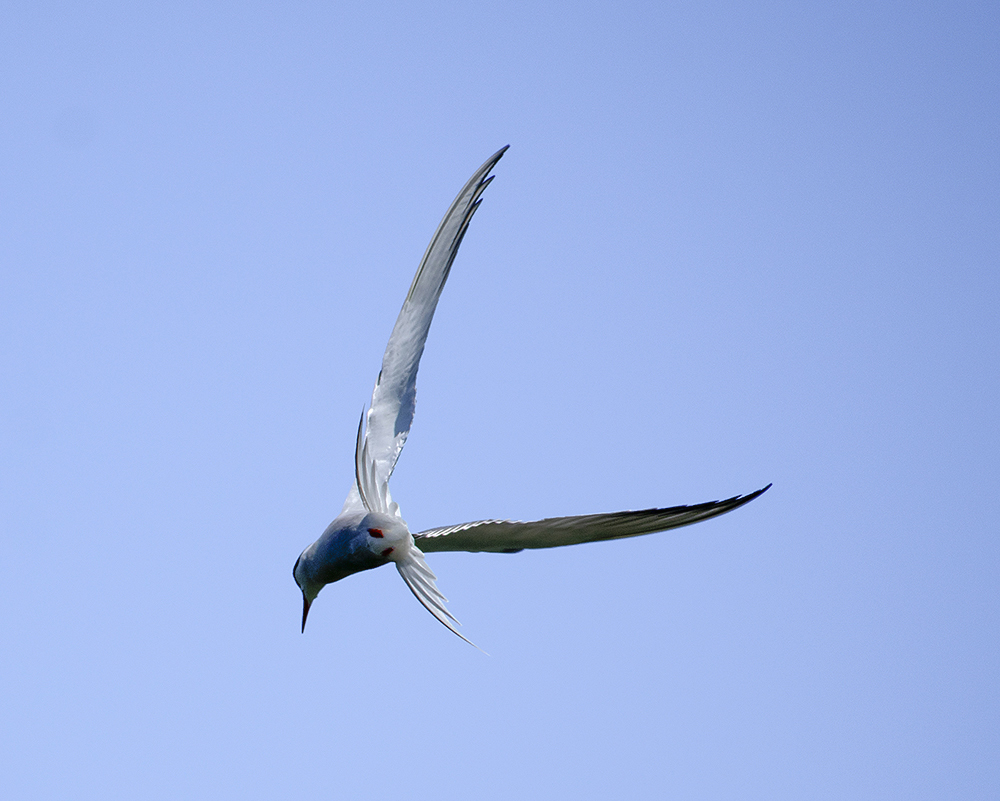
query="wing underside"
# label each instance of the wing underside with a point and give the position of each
(507, 536)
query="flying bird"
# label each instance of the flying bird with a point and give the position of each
(370, 531)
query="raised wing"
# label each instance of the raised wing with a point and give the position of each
(508, 536)
(394, 397)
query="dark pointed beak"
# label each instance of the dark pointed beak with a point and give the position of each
(306, 603)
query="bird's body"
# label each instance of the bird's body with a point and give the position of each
(353, 542)
(370, 532)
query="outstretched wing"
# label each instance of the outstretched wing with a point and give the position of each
(507, 536)
(394, 397)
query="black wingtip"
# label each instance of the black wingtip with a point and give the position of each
(742, 499)
(492, 160)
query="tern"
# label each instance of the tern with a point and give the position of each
(370, 532)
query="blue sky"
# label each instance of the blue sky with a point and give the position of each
(731, 244)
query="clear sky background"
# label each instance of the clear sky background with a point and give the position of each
(731, 244)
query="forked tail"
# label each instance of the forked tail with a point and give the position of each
(422, 583)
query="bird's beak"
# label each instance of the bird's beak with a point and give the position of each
(306, 603)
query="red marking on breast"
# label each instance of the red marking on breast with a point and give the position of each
(388, 551)
(376, 532)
